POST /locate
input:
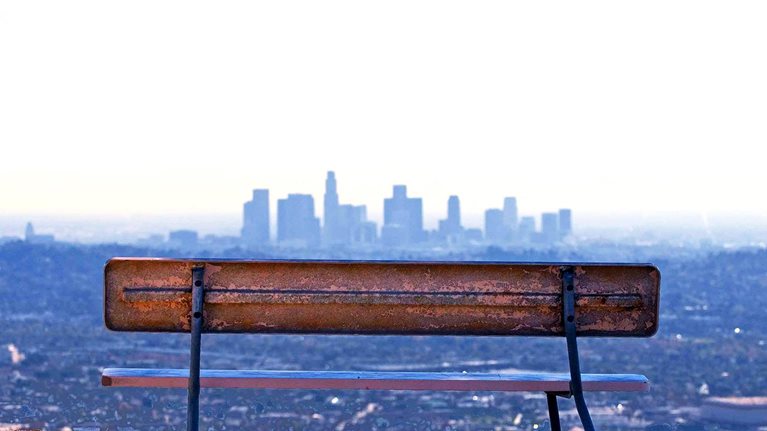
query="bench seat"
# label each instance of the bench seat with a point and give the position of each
(372, 380)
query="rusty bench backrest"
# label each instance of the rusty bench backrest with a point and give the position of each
(143, 294)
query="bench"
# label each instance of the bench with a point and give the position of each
(375, 298)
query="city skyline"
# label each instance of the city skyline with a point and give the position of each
(614, 225)
(298, 223)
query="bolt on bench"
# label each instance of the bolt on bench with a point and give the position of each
(410, 298)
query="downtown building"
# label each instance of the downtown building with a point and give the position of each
(297, 226)
(504, 226)
(255, 223)
(450, 229)
(501, 226)
(344, 224)
(403, 219)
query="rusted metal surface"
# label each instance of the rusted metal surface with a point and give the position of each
(380, 297)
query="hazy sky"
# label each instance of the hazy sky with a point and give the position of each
(178, 107)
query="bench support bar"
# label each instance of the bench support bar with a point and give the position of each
(193, 399)
(551, 400)
(576, 384)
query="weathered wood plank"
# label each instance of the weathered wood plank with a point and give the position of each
(372, 380)
(380, 297)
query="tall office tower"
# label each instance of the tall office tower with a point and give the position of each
(344, 224)
(403, 219)
(296, 223)
(526, 229)
(510, 214)
(454, 211)
(495, 230)
(450, 229)
(255, 220)
(565, 222)
(332, 224)
(549, 227)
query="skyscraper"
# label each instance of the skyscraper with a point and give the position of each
(510, 213)
(526, 230)
(565, 222)
(255, 223)
(331, 220)
(450, 229)
(344, 224)
(296, 223)
(495, 230)
(549, 227)
(403, 218)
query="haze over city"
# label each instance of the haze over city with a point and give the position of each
(627, 227)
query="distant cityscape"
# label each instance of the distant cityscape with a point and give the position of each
(344, 225)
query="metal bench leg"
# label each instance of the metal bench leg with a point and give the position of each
(193, 402)
(576, 385)
(551, 400)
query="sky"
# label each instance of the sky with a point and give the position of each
(180, 108)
